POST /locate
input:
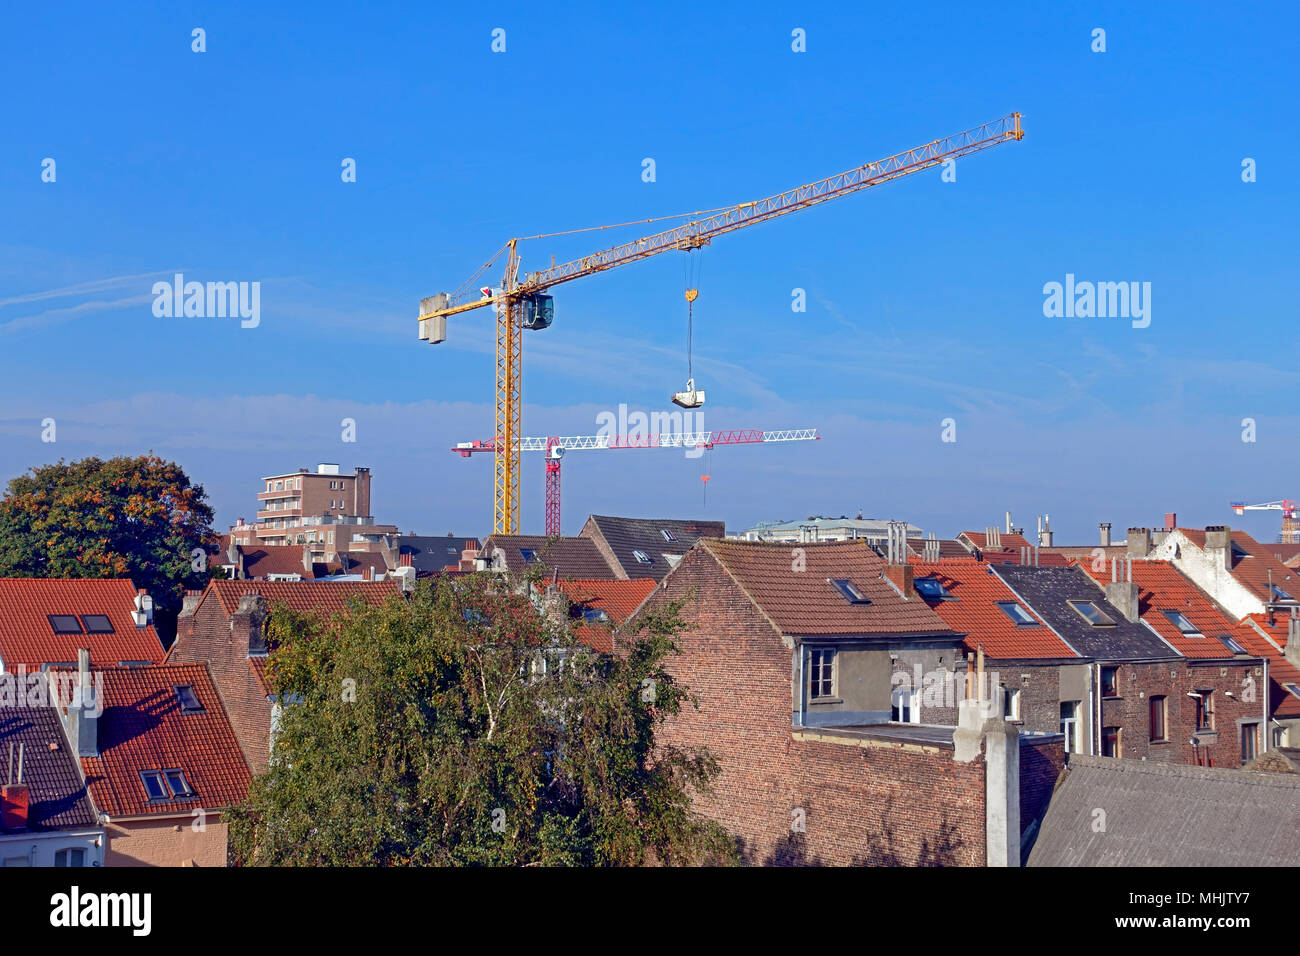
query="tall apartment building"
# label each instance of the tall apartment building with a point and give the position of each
(325, 508)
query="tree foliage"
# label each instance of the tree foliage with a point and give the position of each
(138, 517)
(427, 732)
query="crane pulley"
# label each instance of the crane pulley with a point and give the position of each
(523, 303)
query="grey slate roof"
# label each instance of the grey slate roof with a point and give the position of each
(1169, 815)
(57, 794)
(431, 553)
(622, 536)
(573, 557)
(1047, 589)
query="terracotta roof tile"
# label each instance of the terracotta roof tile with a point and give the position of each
(618, 599)
(322, 597)
(1162, 587)
(791, 585)
(1013, 542)
(974, 610)
(142, 727)
(27, 637)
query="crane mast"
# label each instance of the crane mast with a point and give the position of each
(524, 304)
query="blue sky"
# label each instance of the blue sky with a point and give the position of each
(925, 298)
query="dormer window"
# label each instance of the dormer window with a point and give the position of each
(1092, 614)
(848, 590)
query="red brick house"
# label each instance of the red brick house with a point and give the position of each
(791, 651)
(223, 627)
(160, 761)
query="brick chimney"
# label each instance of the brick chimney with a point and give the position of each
(14, 798)
(1139, 542)
(1171, 520)
(361, 492)
(1218, 545)
(246, 624)
(901, 575)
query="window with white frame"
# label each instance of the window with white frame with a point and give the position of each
(821, 673)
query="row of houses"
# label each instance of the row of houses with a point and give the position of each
(870, 700)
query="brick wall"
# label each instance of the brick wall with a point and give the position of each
(167, 842)
(1174, 680)
(1041, 762)
(208, 635)
(857, 801)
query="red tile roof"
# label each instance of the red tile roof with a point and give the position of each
(322, 597)
(1012, 542)
(28, 638)
(791, 585)
(143, 728)
(1015, 556)
(1251, 635)
(1162, 587)
(618, 599)
(975, 612)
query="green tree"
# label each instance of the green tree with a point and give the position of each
(461, 727)
(125, 517)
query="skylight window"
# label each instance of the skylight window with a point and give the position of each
(1293, 689)
(642, 557)
(473, 615)
(848, 590)
(186, 697)
(154, 786)
(668, 535)
(1231, 645)
(932, 588)
(64, 623)
(1179, 620)
(1018, 614)
(528, 554)
(1280, 595)
(595, 615)
(179, 785)
(97, 623)
(1092, 614)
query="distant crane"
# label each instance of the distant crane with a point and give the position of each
(555, 447)
(521, 303)
(1290, 528)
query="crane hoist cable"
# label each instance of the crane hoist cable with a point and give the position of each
(690, 397)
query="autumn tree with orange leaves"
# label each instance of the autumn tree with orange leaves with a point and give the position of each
(140, 518)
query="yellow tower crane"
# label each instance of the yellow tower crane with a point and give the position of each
(523, 304)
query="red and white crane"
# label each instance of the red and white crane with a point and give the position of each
(1290, 531)
(555, 448)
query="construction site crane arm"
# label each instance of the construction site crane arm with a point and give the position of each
(707, 439)
(693, 235)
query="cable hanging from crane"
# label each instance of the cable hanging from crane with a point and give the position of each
(691, 397)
